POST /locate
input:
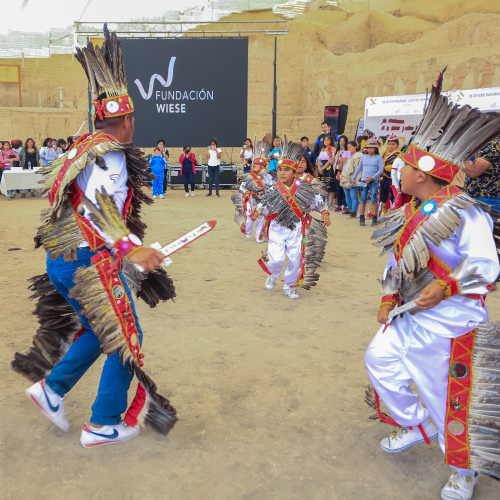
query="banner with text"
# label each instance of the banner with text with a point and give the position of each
(188, 90)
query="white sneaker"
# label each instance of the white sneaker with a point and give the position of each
(154, 197)
(161, 197)
(192, 193)
(291, 293)
(249, 236)
(186, 195)
(270, 282)
(260, 241)
(50, 403)
(107, 434)
(459, 487)
(403, 438)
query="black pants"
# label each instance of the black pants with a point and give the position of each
(386, 191)
(213, 178)
(341, 202)
(165, 181)
(188, 179)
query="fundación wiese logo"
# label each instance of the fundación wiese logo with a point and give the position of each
(147, 95)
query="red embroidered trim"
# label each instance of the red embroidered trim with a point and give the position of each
(457, 410)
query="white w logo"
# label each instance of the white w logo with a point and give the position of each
(159, 78)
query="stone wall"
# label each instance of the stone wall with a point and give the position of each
(329, 57)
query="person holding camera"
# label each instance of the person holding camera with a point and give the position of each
(246, 155)
(49, 151)
(188, 169)
(213, 155)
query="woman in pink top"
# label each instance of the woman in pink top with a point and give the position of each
(7, 156)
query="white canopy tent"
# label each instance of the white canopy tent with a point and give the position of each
(401, 115)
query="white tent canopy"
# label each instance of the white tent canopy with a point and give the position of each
(401, 115)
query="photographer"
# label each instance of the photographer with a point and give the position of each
(49, 151)
(213, 155)
(246, 155)
(188, 168)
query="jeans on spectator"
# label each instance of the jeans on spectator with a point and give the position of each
(111, 400)
(351, 196)
(213, 178)
(373, 187)
(158, 182)
(188, 179)
(341, 201)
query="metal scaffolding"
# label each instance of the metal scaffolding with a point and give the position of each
(171, 29)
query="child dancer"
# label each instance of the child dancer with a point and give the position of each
(292, 230)
(252, 185)
(442, 256)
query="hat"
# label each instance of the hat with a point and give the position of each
(372, 143)
(106, 74)
(291, 153)
(448, 136)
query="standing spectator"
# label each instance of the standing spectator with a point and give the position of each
(69, 143)
(306, 150)
(367, 134)
(7, 157)
(55, 146)
(325, 167)
(48, 153)
(2, 165)
(61, 144)
(350, 161)
(165, 154)
(318, 145)
(213, 155)
(29, 158)
(188, 168)
(337, 165)
(483, 175)
(370, 166)
(246, 155)
(274, 154)
(158, 163)
(389, 156)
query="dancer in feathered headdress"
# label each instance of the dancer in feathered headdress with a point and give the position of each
(442, 257)
(292, 232)
(250, 190)
(92, 234)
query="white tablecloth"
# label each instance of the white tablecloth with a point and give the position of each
(19, 179)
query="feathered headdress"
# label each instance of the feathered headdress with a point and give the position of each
(449, 135)
(291, 153)
(261, 151)
(106, 75)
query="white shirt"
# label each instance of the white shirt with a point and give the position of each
(114, 180)
(247, 154)
(213, 161)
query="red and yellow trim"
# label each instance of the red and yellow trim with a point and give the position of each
(288, 163)
(389, 300)
(460, 376)
(257, 178)
(441, 169)
(112, 106)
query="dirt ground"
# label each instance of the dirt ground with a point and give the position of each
(269, 391)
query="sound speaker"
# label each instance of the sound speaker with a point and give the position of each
(336, 117)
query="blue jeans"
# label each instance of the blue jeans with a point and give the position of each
(213, 178)
(373, 187)
(111, 400)
(351, 197)
(158, 183)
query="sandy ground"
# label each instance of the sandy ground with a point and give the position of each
(269, 391)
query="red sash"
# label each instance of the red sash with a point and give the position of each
(308, 178)
(416, 217)
(257, 179)
(82, 146)
(288, 196)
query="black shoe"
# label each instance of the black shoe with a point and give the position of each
(346, 212)
(208, 195)
(362, 220)
(374, 220)
(218, 195)
(353, 215)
